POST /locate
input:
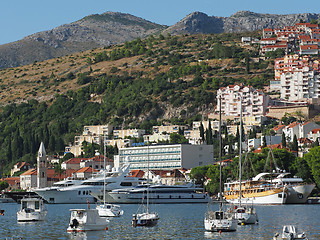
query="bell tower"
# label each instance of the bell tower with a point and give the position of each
(42, 167)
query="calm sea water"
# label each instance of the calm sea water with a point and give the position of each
(177, 221)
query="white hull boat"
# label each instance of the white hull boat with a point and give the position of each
(245, 215)
(290, 232)
(31, 209)
(220, 221)
(161, 194)
(82, 193)
(83, 220)
(109, 210)
(145, 219)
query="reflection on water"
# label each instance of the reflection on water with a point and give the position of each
(177, 221)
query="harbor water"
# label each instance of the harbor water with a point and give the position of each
(177, 221)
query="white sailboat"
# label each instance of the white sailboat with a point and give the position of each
(107, 209)
(220, 221)
(244, 214)
(146, 218)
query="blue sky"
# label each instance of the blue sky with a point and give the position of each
(20, 18)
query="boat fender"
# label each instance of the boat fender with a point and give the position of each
(75, 223)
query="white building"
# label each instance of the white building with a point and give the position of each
(168, 129)
(254, 102)
(300, 84)
(165, 157)
(136, 133)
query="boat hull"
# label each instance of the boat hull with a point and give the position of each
(83, 220)
(224, 225)
(31, 217)
(66, 197)
(159, 198)
(145, 220)
(272, 197)
(299, 194)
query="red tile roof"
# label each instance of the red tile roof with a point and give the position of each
(306, 47)
(32, 171)
(86, 170)
(75, 160)
(11, 180)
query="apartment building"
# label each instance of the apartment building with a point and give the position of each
(296, 77)
(165, 157)
(253, 102)
(168, 129)
(135, 133)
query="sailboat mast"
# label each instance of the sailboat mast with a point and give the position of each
(148, 175)
(220, 147)
(240, 152)
(104, 170)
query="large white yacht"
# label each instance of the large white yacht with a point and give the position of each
(187, 193)
(81, 193)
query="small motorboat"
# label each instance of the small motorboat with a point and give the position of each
(290, 232)
(31, 209)
(145, 219)
(109, 210)
(1, 212)
(82, 220)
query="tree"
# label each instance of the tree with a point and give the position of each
(176, 138)
(295, 146)
(313, 160)
(283, 140)
(3, 185)
(201, 129)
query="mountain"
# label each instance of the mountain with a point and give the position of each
(91, 32)
(242, 21)
(100, 30)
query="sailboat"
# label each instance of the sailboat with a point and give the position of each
(145, 218)
(243, 213)
(220, 221)
(107, 209)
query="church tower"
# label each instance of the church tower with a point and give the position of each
(42, 167)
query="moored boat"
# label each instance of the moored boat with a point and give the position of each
(255, 191)
(83, 220)
(187, 193)
(290, 232)
(31, 209)
(221, 220)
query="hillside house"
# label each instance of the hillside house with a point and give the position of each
(19, 167)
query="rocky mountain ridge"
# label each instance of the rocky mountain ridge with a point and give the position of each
(100, 30)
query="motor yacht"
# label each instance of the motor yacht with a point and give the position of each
(81, 193)
(187, 193)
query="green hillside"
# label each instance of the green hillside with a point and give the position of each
(141, 83)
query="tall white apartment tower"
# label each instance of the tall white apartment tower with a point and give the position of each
(42, 167)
